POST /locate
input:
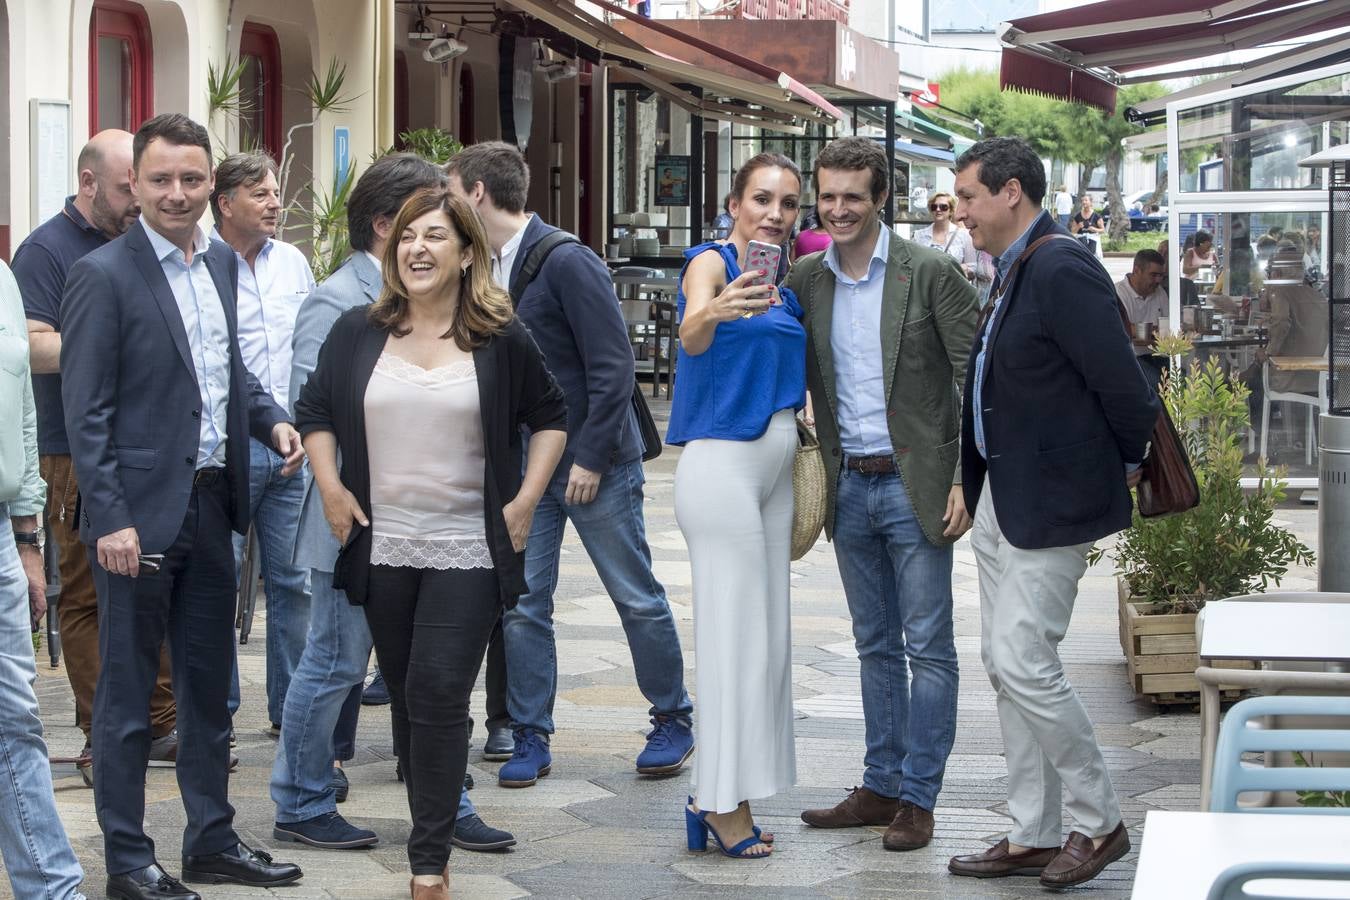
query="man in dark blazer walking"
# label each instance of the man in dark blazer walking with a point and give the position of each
(573, 315)
(159, 409)
(1056, 420)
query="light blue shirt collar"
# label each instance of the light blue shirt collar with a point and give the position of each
(164, 248)
(1009, 256)
(880, 251)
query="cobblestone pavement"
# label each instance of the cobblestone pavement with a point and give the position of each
(594, 829)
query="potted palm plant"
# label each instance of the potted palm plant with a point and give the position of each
(1230, 544)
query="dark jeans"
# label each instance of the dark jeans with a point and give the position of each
(498, 716)
(344, 734)
(430, 629)
(190, 600)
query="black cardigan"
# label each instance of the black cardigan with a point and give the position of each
(515, 389)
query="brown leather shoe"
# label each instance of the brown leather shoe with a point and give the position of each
(860, 807)
(429, 891)
(997, 862)
(911, 828)
(1079, 862)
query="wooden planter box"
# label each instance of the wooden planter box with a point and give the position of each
(1160, 651)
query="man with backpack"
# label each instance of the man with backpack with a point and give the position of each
(563, 293)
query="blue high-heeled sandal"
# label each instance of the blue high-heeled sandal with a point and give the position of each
(697, 830)
(764, 836)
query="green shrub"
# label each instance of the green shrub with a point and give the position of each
(1228, 545)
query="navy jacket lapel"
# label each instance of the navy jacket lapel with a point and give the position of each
(1044, 225)
(153, 273)
(533, 232)
(223, 265)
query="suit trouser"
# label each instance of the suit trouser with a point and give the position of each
(191, 602)
(1026, 602)
(77, 608)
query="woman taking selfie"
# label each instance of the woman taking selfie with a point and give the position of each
(424, 394)
(742, 374)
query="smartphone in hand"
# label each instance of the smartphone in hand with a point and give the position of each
(765, 257)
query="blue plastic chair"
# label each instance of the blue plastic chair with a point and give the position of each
(1237, 737)
(1232, 881)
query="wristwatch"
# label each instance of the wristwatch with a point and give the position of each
(29, 537)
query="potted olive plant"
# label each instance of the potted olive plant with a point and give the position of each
(1168, 568)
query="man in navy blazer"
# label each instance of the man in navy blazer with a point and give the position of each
(574, 317)
(159, 409)
(1056, 420)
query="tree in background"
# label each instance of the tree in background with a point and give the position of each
(1057, 129)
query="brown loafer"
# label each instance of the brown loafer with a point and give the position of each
(911, 828)
(1079, 862)
(860, 807)
(997, 862)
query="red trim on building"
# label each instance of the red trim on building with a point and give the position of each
(128, 22)
(260, 43)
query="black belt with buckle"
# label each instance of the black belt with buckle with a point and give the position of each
(207, 476)
(870, 465)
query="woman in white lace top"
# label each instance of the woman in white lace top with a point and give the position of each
(425, 394)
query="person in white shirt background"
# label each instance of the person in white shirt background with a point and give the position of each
(274, 278)
(1145, 302)
(1063, 202)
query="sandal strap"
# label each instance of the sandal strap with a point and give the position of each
(739, 849)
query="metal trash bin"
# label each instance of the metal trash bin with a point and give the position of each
(1333, 504)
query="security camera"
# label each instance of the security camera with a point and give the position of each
(557, 69)
(444, 49)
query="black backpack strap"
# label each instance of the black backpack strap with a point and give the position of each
(534, 261)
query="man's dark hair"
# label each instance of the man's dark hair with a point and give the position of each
(381, 190)
(850, 154)
(1001, 160)
(502, 169)
(240, 170)
(1148, 257)
(173, 128)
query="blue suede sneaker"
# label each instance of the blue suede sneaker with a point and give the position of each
(669, 746)
(530, 761)
(328, 831)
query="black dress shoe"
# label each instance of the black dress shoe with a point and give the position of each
(150, 883)
(239, 865)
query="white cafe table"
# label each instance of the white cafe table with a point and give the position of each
(1266, 631)
(1184, 852)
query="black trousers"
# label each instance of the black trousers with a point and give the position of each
(497, 714)
(430, 629)
(191, 601)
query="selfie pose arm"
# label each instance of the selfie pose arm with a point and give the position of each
(709, 300)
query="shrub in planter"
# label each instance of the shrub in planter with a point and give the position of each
(1227, 545)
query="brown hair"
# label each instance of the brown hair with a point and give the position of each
(484, 309)
(502, 169)
(850, 154)
(760, 161)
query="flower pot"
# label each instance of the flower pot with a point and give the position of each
(1160, 651)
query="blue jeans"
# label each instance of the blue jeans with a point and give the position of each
(274, 501)
(37, 855)
(899, 590)
(612, 530)
(335, 658)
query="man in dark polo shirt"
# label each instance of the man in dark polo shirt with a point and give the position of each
(103, 209)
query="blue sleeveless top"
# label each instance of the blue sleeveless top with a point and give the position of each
(753, 368)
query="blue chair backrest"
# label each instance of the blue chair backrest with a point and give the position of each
(1231, 881)
(1236, 737)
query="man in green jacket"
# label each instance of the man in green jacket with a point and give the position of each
(889, 329)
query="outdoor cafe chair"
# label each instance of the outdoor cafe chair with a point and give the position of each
(1233, 881)
(1315, 403)
(1282, 677)
(1242, 733)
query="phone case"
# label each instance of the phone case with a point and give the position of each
(764, 257)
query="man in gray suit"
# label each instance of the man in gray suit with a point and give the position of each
(318, 707)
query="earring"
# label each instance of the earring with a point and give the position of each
(463, 271)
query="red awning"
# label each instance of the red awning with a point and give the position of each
(1082, 53)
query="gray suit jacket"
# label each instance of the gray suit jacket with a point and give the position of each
(357, 283)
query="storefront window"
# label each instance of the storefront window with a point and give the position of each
(1244, 244)
(657, 176)
(1254, 143)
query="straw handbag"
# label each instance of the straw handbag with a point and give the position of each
(808, 492)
